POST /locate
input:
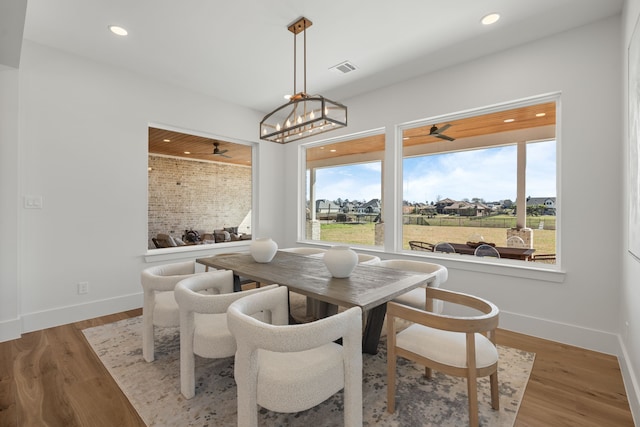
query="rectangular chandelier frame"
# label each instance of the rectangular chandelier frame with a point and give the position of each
(303, 117)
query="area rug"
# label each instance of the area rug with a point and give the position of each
(154, 388)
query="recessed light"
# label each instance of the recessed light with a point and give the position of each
(541, 114)
(187, 152)
(491, 18)
(115, 29)
(509, 120)
(333, 151)
(166, 140)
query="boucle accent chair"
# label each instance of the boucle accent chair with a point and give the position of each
(452, 345)
(418, 297)
(292, 368)
(203, 321)
(160, 307)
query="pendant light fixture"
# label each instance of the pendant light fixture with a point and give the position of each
(304, 115)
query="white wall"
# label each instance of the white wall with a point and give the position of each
(630, 291)
(585, 66)
(83, 148)
(9, 314)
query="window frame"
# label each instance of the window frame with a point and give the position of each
(302, 194)
(392, 196)
(399, 132)
(189, 251)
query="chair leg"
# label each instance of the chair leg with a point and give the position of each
(147, 327)
(472, 390)
(391, 365)
(391, 381)
(495, 391)
(427, 372)
(187, 359)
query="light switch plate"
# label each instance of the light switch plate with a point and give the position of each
(33, 202)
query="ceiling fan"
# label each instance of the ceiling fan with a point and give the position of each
(218, 152)
(437, 132)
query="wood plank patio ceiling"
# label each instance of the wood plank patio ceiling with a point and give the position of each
(172, 143)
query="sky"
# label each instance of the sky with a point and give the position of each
(488, 174)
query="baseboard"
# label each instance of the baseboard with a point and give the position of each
(630, 382)
(591, 339)
(74, 313)
(10, 330)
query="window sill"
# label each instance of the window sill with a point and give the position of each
(503, 267)
(194, 251)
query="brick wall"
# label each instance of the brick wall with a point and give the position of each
(185, 194)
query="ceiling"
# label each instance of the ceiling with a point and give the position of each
(241, 51)
(176, 144)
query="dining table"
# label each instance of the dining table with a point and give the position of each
(369, 287)
(523, 254)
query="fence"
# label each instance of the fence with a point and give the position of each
(484, 222)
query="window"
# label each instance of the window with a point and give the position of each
(483, 178)
(197, 183)
(344, 191)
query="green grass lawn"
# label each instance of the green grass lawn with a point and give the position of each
(364, 234)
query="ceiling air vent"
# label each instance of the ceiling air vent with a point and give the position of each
(344, 67)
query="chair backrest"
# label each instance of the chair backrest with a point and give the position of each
(368, 259)
(441, 276)
(516, 242)
(165, 277)
(304, 250)
(441, 272)
(486, 250)
(444, 247)
(416, 245)
(165, 241)
(253, 335)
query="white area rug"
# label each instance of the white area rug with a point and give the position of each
(154, 388)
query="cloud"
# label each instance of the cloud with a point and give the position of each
(488, 174)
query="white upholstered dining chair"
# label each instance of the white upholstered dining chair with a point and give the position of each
(203, 321)
(160, 308)
(462, 346)
(418, 297)
(292, 368)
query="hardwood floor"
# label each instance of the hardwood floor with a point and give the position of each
(53, 378)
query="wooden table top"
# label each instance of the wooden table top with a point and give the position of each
(368, 286)
(505, 252)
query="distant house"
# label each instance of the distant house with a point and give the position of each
(467, 209)
(425, 209)
(549, 204)
(442, 204)
(324, 206)
(373, 206)
(461, 208)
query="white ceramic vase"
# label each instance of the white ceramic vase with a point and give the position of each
(263, 249)
(340, 261)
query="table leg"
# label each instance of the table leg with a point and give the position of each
(236, 283)
(372, 330)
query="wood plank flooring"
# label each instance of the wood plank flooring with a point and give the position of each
(52, 378)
